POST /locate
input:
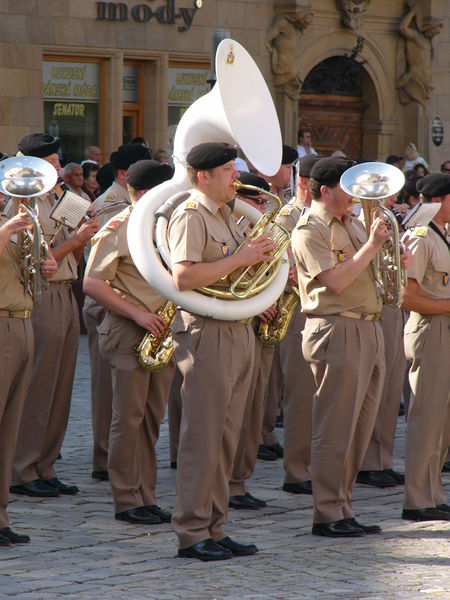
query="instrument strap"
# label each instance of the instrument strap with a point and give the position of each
(435, 228)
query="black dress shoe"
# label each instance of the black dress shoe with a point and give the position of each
(303, 487)
(164, 515)
(101, 475)
(138, 516)
(36, 488)
(265, 454)
(236, 548)
(399, 477)
(207, 550)
(14, 538)
(258, 501)
(173, 464)
(68, 490)
(365, 528)
(4, 541)
(337, 529)
(444, 507)
(277, 449)
(446, 467)
(377, 479)
(242, 502)
(425, 514)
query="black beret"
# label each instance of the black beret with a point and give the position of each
(252, 179)
(105, 176)
(306, 163)
(410, 186)
(393, 158)
(146, 174)
(38, 144)
(290, 155)
(434, 185)
(328, 171)
(127, 154)
(210, 155)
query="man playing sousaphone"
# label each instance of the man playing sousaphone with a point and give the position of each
(214, 356)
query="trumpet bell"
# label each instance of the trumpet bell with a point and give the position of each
(372, 181)
(26, 176)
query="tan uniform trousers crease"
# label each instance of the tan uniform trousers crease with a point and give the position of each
(216, 361)
(347, 360)
(427, 344)
(138, 406)
(46, 411)
(16, 360)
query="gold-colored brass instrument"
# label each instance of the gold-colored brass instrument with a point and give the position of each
(23, 178)
(274, 331)
(370, 183)
(153, 352)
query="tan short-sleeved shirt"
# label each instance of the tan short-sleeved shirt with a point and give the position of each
(12, 292)
(201, 232)
(110, 261)
(319, 243)
(431, 264)
(110, 203)
(290, 214)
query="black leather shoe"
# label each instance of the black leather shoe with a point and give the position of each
(303, 487)
(36, 488)
(242, 502)
(377, 479)
(138, 516)
(207, 550)
(277, 449)
(236, 548)
(14, 538)
(365, 528)
(399, 477)
(258, 501)
(446, 467)
(164, 515)
(425, 514)
(101, 475)
(265, 454)
(444, 507)
(4, 541)
(68, 490)
(173, 464)
(337, 529)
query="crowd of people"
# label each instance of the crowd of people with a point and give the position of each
(336, 379)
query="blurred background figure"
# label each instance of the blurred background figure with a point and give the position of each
(304, 143)
(90, 184)
(412, 157)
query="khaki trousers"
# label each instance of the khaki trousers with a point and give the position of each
(46, 411)
(299, 387)
(347, 359)
(138, 406)
(427, 343)
(381, 445)
(101, 386)
(247, 450)
(16, 360)
(216, 361)
(274, 394)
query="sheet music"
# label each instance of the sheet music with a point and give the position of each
(70, 209)
(421, 214)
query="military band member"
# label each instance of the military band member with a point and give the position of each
(16, 355)
(297, 379)
(139, 396)
(115, 199)
(56, 331)
(427, 343)
(215, 357)
(342, 341)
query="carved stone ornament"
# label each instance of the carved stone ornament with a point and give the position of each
(352, 12)
(414, 54)
(282, 42)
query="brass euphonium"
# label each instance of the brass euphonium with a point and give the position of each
(370, 183)
(274, 331)
(23, 178)
(154, 352)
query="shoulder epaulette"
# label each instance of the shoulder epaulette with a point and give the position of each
(421, 231)
(191, 204)
(303, 220)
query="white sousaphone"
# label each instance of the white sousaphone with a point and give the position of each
(238, 110)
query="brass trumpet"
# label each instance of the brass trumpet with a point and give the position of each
(154, 353)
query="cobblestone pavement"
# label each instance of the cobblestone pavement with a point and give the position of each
(78, 550)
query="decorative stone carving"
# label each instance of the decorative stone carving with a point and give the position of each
(282, 42)
(352, 12)
(414, 54)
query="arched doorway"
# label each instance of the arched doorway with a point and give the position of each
(336, 102)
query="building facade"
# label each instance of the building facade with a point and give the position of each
(366, 77)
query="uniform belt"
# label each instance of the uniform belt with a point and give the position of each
(62, 282)
(245, 321)
(360, 316)
(16, 314)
